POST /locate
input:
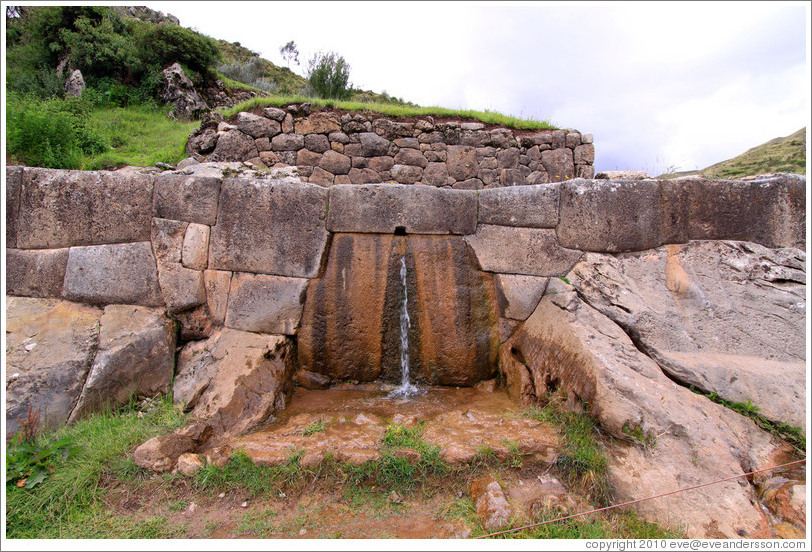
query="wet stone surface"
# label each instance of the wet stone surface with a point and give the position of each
(349, 422)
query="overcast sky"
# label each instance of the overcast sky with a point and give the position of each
(659, 85)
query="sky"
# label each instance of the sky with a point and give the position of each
(660, 85)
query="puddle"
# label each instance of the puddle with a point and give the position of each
(350, 421)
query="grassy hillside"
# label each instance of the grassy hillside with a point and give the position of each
(787, 154)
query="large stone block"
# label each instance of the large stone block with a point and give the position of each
(182, 288)
(257, 126)
(50, 346)
(269, 227)
(35, 273)
(195, 252)
(530, 251)
(14, 182)
(217, 284)
(106, 274)
(65, 208)
(265, 304)
(383, 208)
(135, 358)
(531, 206)
(234, 145)
(320, 123)
(167, 239)
(610, 216)
(770, 211)
(188, 198)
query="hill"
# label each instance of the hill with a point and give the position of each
(786, 154)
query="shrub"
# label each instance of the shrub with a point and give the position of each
(53, 133)
(329, 75)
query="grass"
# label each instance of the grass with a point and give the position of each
(795, 436)
(581, 462)
(316, 427)
(139, 136)
(787, 154)
(67, 503)
(394, 110)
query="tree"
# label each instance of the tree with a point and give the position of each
(290, 53)
(329, 76)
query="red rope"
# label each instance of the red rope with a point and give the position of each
(639, 500)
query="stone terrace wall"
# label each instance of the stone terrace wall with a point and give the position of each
(334, 148)
(240, 253)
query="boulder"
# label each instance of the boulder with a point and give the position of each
(529, 251)
(363, 176)
(351, 320)
(684, 305)
(265, 304)
(177, 89)
(113, 274)
(675, 437)
(528, 206)
(373, 145)
(161, 453)
(217, 283)
(317, 143)
(335, 162)
(461, 162)
(235, 145)
(318, 123)
(435, 174)
(35, 272)
(257, 126)
(50, 346)
(188, 198)
(383, 208)
(275, 113)
(558, 163)
(61, 208)
(75, 84)
(406, 174)
(410, 157)
(234, 380)
(490, 502)
(269, 227)
(135, 358)
(287, 142)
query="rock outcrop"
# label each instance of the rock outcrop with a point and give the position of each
(177, 90)
(635, 330)
(65, 360)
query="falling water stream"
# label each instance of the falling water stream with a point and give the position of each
(406, 388)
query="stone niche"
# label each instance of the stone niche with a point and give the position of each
(351, 321)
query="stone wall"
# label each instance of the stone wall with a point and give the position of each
(332, 147)
(240, 253)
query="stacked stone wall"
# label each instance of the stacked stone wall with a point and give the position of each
(240, 253)
(332, 147)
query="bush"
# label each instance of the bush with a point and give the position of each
(329, 76)
(53, 133)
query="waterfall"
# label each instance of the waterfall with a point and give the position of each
(406, 389)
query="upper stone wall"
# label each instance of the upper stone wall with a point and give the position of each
(241, 252)
(332, 147)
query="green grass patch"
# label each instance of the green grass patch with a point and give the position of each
(626, 525)
(258, 479)
(65, 504)
(316, 427)
(139, 136)
(581, 462)
(394, 110)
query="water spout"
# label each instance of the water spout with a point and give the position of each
(406, 388)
